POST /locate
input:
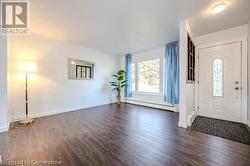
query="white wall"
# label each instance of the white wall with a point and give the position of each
(239, 33)
(187, 90)
(3, 84)
(183, 72)
(190, 87)
(249, 73)
(50, 91)
(221, 36)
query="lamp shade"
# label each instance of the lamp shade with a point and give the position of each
(30, 67)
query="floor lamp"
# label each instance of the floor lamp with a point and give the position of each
(28, 68)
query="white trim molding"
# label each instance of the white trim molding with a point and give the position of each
(176, 108)
(59, 111)
(244, 81)
(183, 125)
(153, 54)
(191, 118)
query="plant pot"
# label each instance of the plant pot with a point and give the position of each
(118, 99)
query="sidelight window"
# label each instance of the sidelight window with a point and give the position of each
(218, 77)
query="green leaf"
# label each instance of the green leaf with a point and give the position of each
(120, 72)
(114, 85)
(114, 88)
(123, 85)
(124, 81)
(112, 82)
(117, 89)
(120, 78)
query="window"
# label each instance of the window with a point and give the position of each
(191, 61)
(146, 75)
(217, 77)
(149, 76)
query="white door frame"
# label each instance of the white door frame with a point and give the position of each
(244, 72)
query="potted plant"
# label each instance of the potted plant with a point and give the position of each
(119, 83)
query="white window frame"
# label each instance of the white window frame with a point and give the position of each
(136, 60)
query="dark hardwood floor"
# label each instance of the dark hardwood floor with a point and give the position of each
(118, 135)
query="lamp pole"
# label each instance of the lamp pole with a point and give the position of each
(26, 93)
(27, 119)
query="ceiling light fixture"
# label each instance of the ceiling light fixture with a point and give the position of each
(218, 8)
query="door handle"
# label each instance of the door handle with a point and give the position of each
(236, 88)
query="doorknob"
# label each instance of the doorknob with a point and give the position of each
(236, 88)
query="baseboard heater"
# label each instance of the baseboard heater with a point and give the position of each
(151, 104)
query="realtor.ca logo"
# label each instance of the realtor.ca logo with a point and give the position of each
(14, 17)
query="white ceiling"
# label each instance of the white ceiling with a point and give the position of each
(236, 13)
(123, 26)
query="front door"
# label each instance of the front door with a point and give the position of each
(220, 82)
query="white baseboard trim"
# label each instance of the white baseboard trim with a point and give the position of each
(153, 105)
(191, 118)
(183, 125)
(176, 108)
(59, 111)
(4, 128)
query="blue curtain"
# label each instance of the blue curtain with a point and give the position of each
(171, 87)
(128, 88)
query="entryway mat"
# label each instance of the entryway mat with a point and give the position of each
(222, 128)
